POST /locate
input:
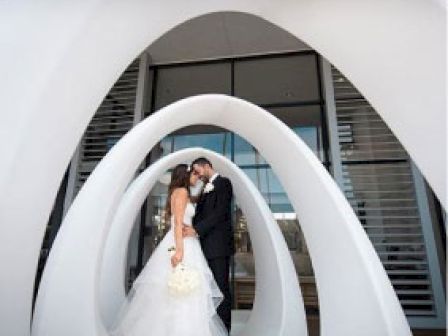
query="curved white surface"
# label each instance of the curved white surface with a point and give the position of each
(355, 294)
(49, 67)
(278, 307)
(53, 78)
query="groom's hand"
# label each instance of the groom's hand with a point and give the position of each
(189, 231)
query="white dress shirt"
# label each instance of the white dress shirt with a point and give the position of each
(213, 177)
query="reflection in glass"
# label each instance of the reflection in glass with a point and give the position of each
(217, 142)
(246, 154)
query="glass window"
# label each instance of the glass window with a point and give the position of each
(217, 142)
(306, 122)
(214, 142)
(277, 80)
(175, 83)
(245, 153)
(270, 187)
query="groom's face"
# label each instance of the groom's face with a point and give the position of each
(200, 171)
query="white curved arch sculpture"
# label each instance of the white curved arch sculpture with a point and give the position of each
(73, 47)
(278, 308)
(332, 235)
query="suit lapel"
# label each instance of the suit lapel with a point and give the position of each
(201, 201)
(216, 180)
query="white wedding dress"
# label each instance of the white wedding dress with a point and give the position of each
(151, 310)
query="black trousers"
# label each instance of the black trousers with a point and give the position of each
(220, 268)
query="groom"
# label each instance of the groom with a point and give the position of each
(213, 224)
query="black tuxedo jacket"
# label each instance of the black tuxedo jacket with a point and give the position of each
(213, 220)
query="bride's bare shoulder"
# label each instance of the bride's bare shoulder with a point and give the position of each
(180, 193)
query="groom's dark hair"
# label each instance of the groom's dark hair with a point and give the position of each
(202, 161)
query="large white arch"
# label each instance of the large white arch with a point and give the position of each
(45, 95)
(332, 235)
(278, 307)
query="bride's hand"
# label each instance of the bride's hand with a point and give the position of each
(177, 258)
(189, 231)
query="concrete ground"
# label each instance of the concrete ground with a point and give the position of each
(239, 318)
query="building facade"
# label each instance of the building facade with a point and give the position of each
(397, 209)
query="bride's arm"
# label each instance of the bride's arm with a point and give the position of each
(178, 203)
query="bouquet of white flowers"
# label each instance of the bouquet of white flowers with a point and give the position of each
(183, 280)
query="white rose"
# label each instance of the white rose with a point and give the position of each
(208, 187)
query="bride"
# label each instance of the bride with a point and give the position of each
(151, 309)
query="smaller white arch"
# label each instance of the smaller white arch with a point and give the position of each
(278, 308)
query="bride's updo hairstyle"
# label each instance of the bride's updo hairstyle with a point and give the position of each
(180, 178)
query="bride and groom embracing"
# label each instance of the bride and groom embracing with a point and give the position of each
(201, 239)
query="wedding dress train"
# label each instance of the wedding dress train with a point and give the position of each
(151, 310)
